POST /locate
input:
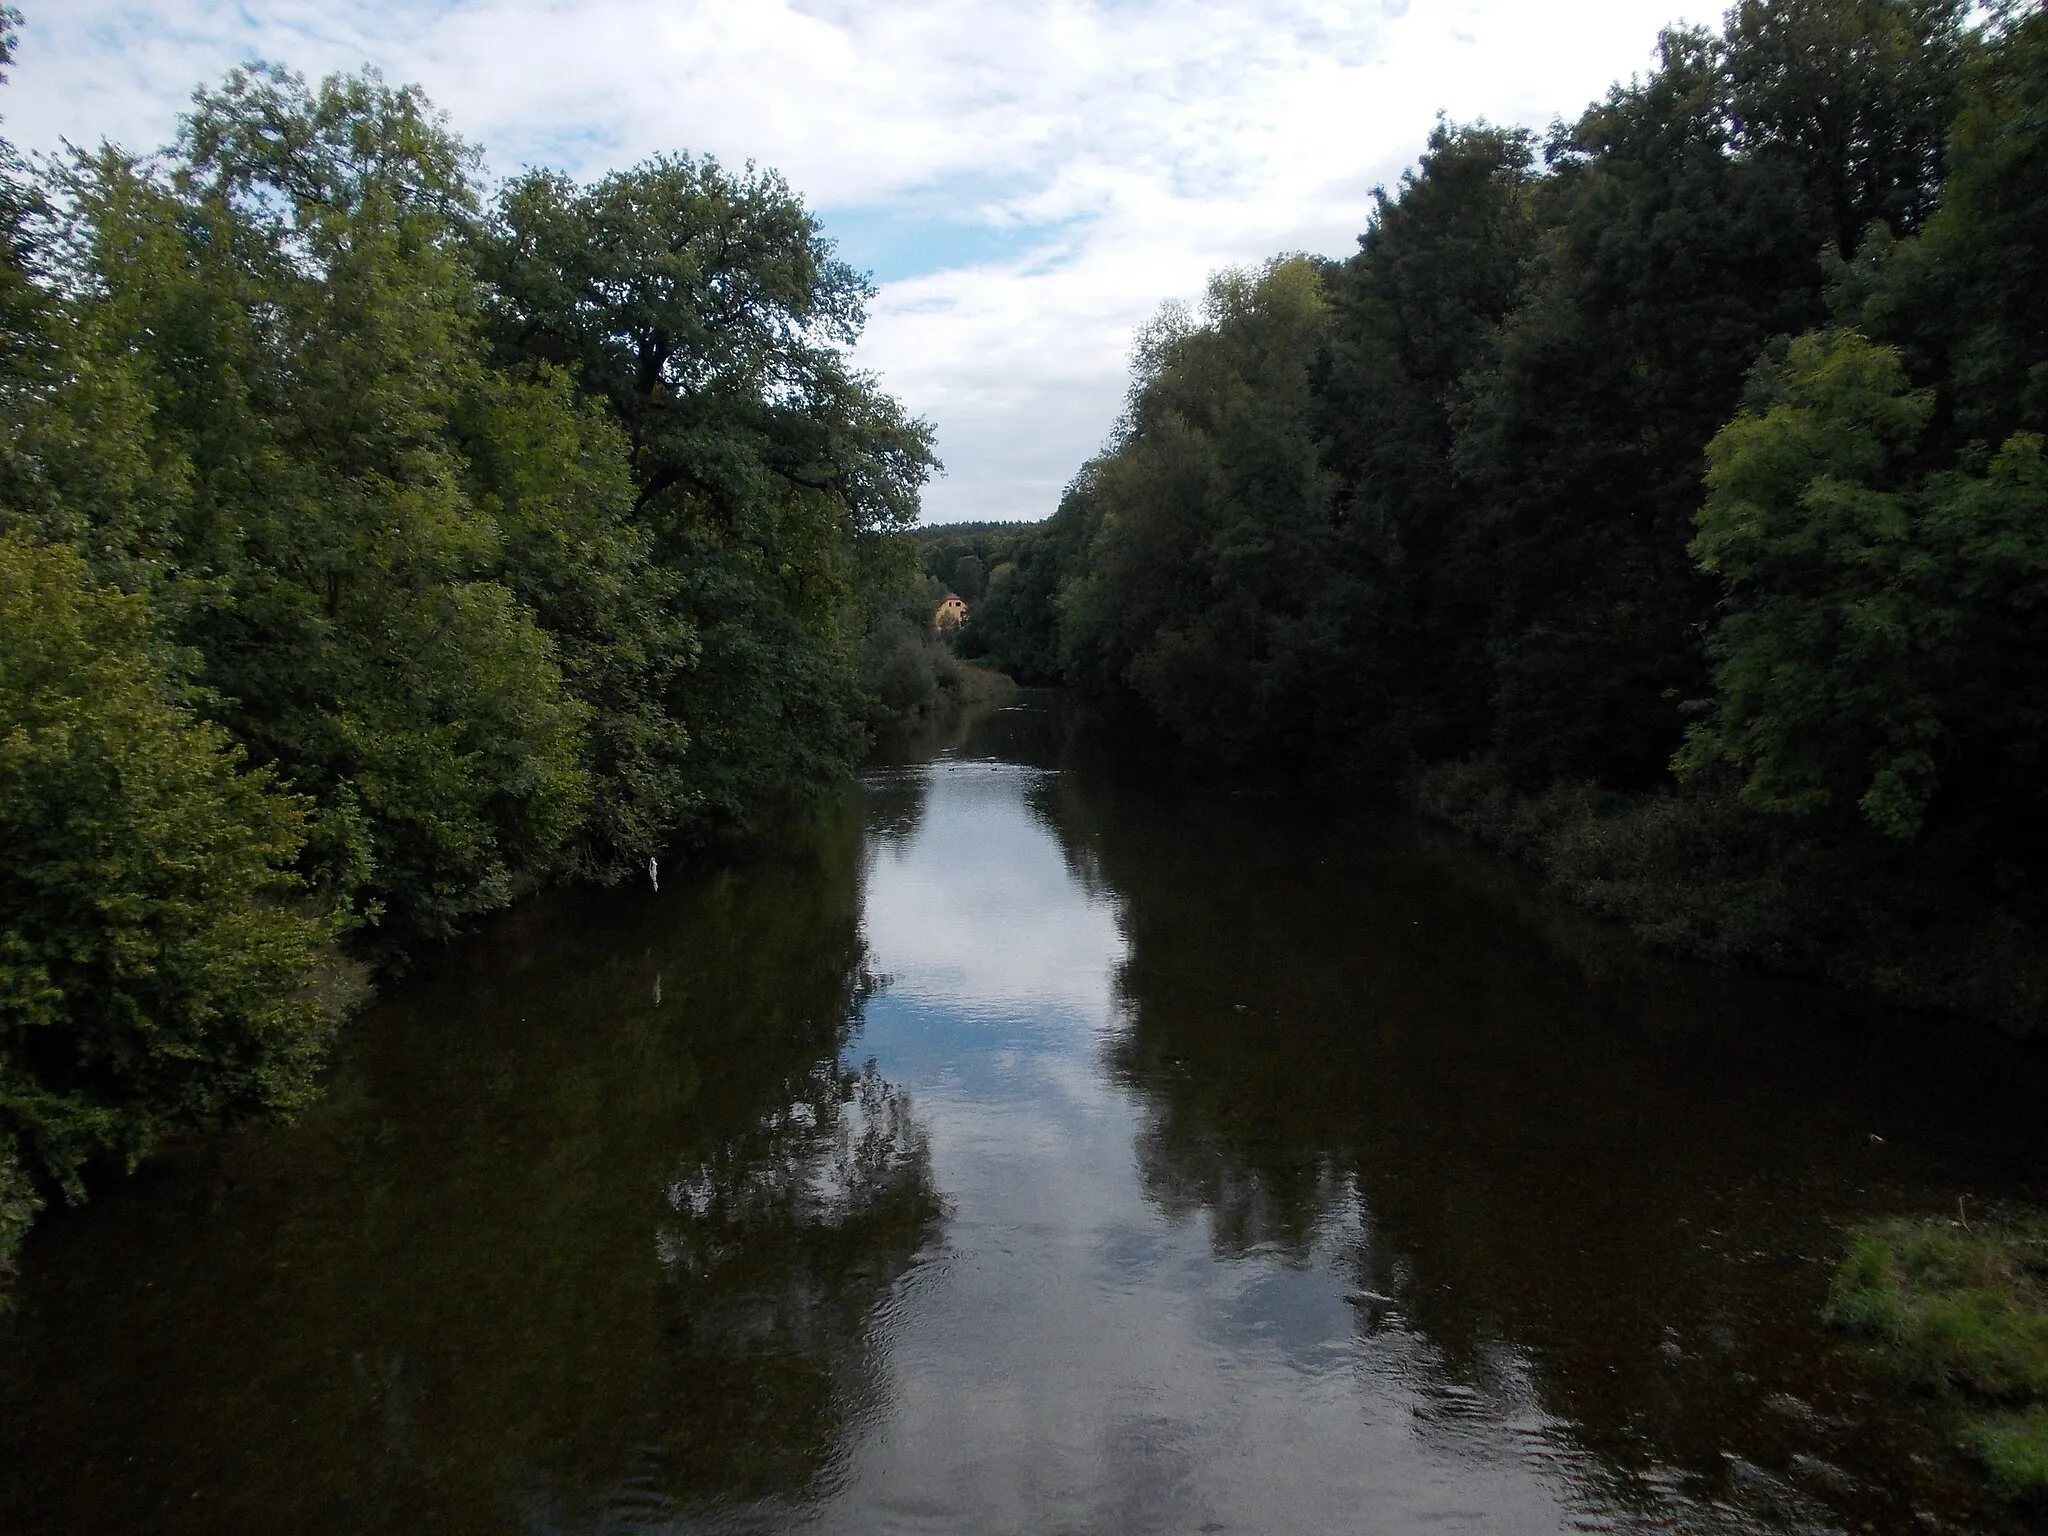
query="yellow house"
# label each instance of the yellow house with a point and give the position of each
(952, 613)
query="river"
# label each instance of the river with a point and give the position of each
(1032, 1145)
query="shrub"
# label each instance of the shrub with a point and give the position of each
(154, 947)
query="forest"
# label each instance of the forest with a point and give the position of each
(377, 544)
(1659, 496)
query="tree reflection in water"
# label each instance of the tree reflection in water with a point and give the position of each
(595, 1226)
(1442, 1209)
(780, 1242)
(1582, 1199)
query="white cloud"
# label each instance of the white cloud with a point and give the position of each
(1150, 141)
(979, 913)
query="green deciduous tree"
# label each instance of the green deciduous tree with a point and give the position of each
(1876, 626)
(552, 469)
(1205, 585)
(1439, 269)
(1853, 98)
(1876, 519)
(268, 350)
(154, 943)
(1666, 263)
(708, 314)
(1966, 301)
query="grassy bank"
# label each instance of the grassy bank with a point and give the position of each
(1694, 873)
(1963, 1310)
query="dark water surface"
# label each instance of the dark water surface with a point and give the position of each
(1032, 1149)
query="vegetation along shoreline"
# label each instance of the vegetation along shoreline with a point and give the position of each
(1659, 500)
(375, 546)
(1659, 497)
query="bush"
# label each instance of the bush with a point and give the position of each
(906, 669)
(155, 950)
(1695, 872)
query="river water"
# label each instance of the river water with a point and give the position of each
(1032, 1145)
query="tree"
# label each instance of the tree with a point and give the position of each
(24, 307)
(155, 946)
(775, 484)
(1966, 302)
(1879, 544)
(1667, 262)
(553, 471)
(1875, 626)
(1440, 267)
(1854, 98)
(266, 352)
(1205, 585)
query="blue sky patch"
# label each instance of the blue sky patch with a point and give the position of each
(895, 243)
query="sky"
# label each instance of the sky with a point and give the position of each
(1027, 181)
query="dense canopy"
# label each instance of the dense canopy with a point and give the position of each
(373, 547)
(1704, 434)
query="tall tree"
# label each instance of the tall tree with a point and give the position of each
(1854, 97)
(1439, 268)
(709, 314)
(1207, 587)
(1667, 262)
(267, 346)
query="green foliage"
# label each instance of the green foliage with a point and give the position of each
(907, 665)
(1853, 98)
(775, 485)
(24, 307)
(1452, 514)
(2014, 1450)
(1566, 479)
(19, 1204)
(905, 669)
(1438, 270)
(1667, 260)
(1014, 626)
(268, 349)
(1211, 519)
(1861, 606)
(1879, 543)
(313, 461)
(1963, 299)
(553, 470)
(552, 608)
(154, 949)
(1963, 1308)
(960, 556)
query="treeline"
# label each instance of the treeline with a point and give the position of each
(373, 546)
(1662, 496)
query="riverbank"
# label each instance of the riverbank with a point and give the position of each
(1697, 875)
(1961, 1310)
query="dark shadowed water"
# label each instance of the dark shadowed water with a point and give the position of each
(1031, 1148)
